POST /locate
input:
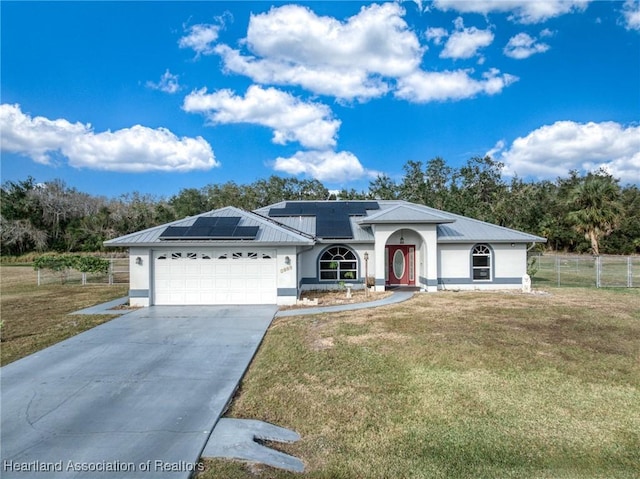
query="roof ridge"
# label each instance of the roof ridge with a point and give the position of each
(266, 219)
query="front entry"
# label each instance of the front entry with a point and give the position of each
(401, 260)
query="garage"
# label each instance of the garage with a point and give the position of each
(215, 276)
(223, 256)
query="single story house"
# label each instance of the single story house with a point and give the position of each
(270, 255)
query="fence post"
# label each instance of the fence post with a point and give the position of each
(38, 276)
(629, 273)
(110, 271)
(558, 268)
(598, 270)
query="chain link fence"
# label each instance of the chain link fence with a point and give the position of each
(118, 274)
(589, 271)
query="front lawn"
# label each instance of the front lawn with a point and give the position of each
(454, 385)
(34, 317)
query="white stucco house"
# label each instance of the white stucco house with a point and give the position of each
(270, 255)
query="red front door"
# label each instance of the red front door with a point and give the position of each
(401, 265)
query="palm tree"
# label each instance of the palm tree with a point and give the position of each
(595, 208)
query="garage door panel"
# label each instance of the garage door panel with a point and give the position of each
(238, 276)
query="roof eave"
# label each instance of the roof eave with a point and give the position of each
(403, 222)
(211, 244)
(496, 241)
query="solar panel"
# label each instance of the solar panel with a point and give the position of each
(172, 232)
(206, 221)
(246, 232)
(219, 221)
(210, 228)
(332, 217)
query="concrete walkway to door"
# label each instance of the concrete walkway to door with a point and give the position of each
(136, 397)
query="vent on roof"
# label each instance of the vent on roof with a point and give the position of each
(332, 217)
(211, 228)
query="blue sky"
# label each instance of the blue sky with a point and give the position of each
(158, 96)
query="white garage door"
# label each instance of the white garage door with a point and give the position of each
(215, 276)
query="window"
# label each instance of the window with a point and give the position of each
(481, 263)
(162, 256)
(176, 255)
(338, 263)
(192, 255)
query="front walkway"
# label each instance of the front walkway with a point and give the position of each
(396, 297)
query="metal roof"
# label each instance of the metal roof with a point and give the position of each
(269, 232)
(405, 213)
(301, 230)
(451, 228)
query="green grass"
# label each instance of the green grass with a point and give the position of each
(454, 385)
(580, 271)
(34, 317)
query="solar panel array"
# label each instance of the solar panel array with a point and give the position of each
(211, 228)
(332, 217)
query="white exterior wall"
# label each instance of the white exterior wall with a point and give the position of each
(510, 261)
(509, 264)
(455, 260)
(287, 275)
(308, 265)
(140, 277)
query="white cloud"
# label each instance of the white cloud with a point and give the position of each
(422, 87)
(344, 83)
(523, 46)
(631, 14)
(465, 42)
(553, 150)
(328, 166)
(436, 34)
(168, 83)
(291, 45)
(310, 124)
(201, 38)
(38, 137)
(522, 11)
(135, 149)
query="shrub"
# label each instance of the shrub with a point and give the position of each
(61, 264)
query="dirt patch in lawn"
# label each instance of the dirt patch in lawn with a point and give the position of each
(336, 297)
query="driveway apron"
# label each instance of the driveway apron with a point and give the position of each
(136, 397)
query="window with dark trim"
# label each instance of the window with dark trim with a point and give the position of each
(481, 263)
(338, 263)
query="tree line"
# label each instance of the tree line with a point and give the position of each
(578, 213)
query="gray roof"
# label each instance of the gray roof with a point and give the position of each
(451, 228)
(405, 213)
(269, 233)
(301, 230)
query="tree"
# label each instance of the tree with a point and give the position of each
(438, 177)
(383, 188)
(477, 187)
(595, 206)
(413, 187)
(626, 238)
(189, 202)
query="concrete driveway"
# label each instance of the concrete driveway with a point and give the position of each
(136, 397)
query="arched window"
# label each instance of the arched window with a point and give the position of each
(338, 263)
(481, 263)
